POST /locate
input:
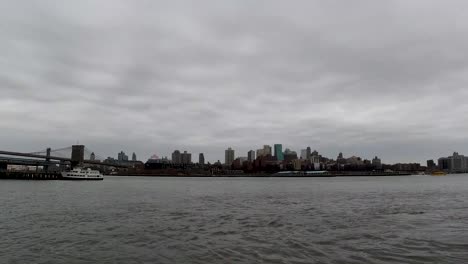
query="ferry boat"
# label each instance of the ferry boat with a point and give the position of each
(82, 174)
(438, 173)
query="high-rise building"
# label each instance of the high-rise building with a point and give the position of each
(201, 159)
(251, 156)
(266, 150)
(340, 159)
(122, 156)
(134, 157)
(186, 158)
(176, 157)
(279, 152)
(289, 155)
(308, 153)
(303, 153)
(377, 163)
(431, 164)
(229, 156)
(260, 153)
(315, 157)
(93, 156)
(454, 163)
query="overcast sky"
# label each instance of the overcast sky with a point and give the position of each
(364, 77)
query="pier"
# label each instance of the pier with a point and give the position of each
(40, 176)
(44, 161)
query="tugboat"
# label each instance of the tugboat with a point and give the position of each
(82, 174)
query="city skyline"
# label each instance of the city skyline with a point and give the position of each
(305, 154)
(186, 155)
(363, 78)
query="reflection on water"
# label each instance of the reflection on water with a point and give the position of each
(236, 220)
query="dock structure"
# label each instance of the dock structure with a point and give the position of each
(30, 175)
(48, 163)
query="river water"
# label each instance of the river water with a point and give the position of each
(417, 219)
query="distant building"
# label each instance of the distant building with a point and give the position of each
(354, 160)
(186, 158)
(110, 160)
(377, 163)
(229, 156)
(251, 156)
(454, 163)
(243, 159)
(201, 159)
(297, 164)
(122, 156)
(431, 164)
(266, 150)
(315, 157)
(409, 167)
(134, 157)
(340, 159)
(289, 155)
(279, 152)
(176, 157)
(308, 153)
(443, 163)
(304, 154)
(316, 166)
(92, 157)
(260, 153)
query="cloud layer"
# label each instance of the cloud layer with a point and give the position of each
(365, 78)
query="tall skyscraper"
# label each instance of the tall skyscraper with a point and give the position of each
(279, 152)
(176, 157)
(186, 158)
(201, 159)
(308, 153)
(134, 157)
(122, 156)
(251, 156)
(267, 150)
(303, 153)
(229, 156)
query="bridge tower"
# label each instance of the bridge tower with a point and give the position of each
(46, 167)
(77, 156)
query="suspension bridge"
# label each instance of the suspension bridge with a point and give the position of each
(76, 155)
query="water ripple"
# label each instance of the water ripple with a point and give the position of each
(163, 220)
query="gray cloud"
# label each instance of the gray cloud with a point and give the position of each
(363, 77)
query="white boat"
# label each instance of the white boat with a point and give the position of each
(82, 174)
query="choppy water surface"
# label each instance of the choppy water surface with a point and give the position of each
(418, 219)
